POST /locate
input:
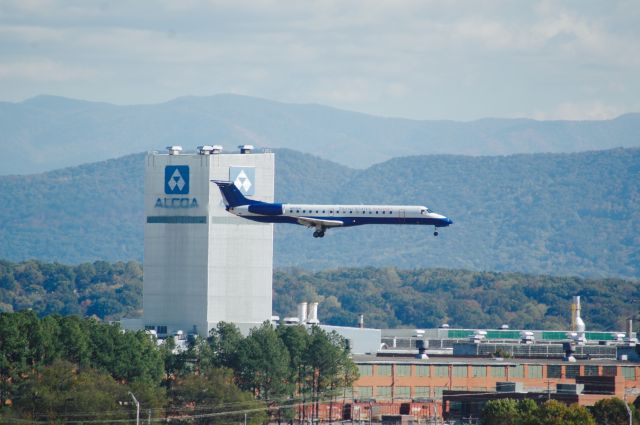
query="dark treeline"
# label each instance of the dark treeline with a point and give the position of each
(57, 369)
(101, 289)
(388, 297)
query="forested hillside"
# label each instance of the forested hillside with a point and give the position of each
(33, 133)
(388, 297)
(559, 214)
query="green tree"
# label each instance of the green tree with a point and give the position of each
(500, 412)
(528, 412)
(263, 363)
(210, 395)
(296, 339)
(61, 391)
(328, 364)
(553, 412)
(610, 411)
(224, 342)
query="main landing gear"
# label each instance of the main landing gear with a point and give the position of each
(318, 234)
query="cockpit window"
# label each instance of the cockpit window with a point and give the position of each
(425, 211)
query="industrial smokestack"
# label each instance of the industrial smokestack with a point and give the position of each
(578, 323)
(302, 312)
(631, 338)
(312, 319)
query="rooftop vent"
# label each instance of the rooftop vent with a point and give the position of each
(174, 150)
(245, 148)
(208, 150)
(421, 345)
(478, 336)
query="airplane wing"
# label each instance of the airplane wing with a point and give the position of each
(316, 222)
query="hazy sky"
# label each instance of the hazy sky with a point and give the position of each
(457, 60)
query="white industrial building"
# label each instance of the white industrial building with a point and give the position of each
(203, 265)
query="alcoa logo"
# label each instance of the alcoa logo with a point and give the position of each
(176, 182)
(244, 179)
(176, 179)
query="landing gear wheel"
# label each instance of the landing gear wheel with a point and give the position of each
(316, 234)
(321, 234)
(435, 233)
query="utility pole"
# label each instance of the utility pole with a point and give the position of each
(548, 390)
(626, 406)
(135, 400)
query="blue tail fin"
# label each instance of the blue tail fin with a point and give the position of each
(232, 195)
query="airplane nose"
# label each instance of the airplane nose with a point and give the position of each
(448, 221)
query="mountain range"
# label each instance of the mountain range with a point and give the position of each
(47, 132)
(558, 214)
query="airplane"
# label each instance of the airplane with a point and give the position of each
(323, 217)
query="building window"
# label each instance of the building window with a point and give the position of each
(554, 371)
(629, 373)
(365, 369)
(162, 330)
(441, 371)
(459, 371)
(403, 393)
(422, 370)
(590, 370)
(497, 371)
(364, 392)
(421, 392)
(516, 371)
(383, 370)
(571, 371)
(403, 370)
(383, 392)
(535, 371)
(479, 371)
(609, 370)
(437, 391)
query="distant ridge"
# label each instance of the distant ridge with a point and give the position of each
(49, 132)
(556, 214)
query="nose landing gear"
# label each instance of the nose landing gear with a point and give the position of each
(435, 231)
